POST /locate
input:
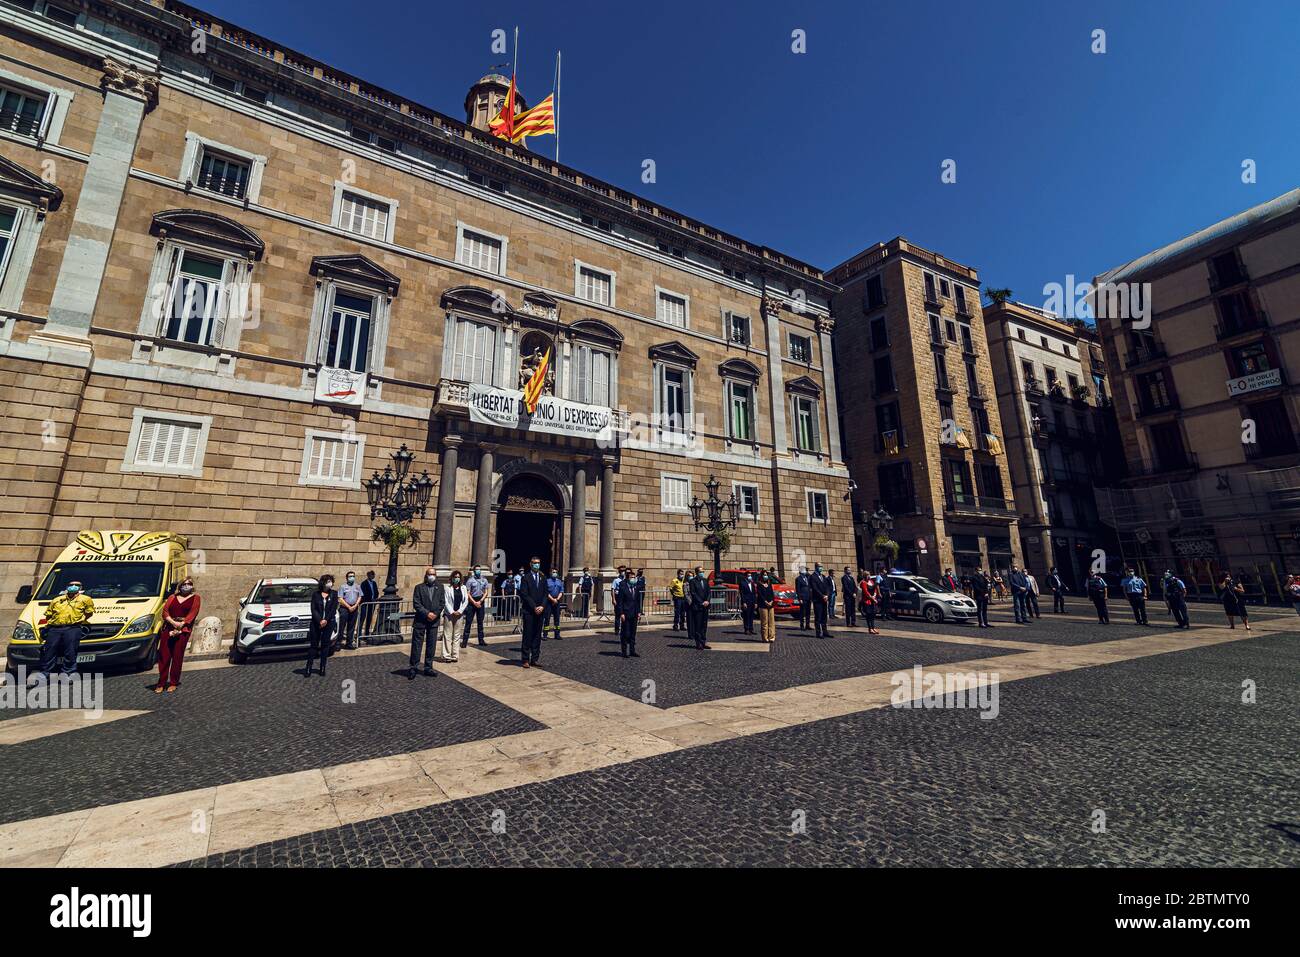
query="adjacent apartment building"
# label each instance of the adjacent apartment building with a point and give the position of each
(922, 430)
(1060, 434)
(234, 279)
(1207, 400)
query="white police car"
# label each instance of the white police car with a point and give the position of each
(275, 616)
(920, 597)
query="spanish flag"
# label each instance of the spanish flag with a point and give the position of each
(503, 124)
(533, 390)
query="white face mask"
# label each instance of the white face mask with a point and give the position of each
(430, 578)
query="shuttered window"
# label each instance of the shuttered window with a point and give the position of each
(365, 217)
(167, 444)
(332, 459)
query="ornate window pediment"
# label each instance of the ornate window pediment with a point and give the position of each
(675, 353)
(207, 229)
(358, 269)
(596, 331)
(739, 369)
(17, 181)
(804, 385)
(471, 299)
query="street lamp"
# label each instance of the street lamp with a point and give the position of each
(881, 523)
(397, 501)
(715, 516)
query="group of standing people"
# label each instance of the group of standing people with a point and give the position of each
(439, 609)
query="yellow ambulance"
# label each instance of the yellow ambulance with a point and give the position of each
(128, 574)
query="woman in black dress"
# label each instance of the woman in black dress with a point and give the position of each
(1234, 600)
(324, 612)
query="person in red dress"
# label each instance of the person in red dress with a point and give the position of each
(870, 602)
(179, 613)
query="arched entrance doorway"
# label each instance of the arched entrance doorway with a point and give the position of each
(528, 523)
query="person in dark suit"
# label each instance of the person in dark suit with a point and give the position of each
(980, 586)
(820, 585)
(324, 612)
(849, 589)
(627, 608)
(748, 602)
(429, 600)
(803, 592)
(698, 595)
(369, 595)
(586, 585)
(533, 599)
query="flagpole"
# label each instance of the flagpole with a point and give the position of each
(556, 106)
(514, 70)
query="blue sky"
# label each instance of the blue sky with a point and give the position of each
(1067, 161)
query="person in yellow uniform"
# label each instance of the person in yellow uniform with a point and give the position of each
(677, 588)
(62, 630)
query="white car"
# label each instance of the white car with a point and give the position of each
(275, 615)
(915, 595)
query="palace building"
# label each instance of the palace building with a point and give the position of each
(234, 279)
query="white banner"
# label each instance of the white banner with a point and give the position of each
(340, 386)
(505, 408)
(1254, 382)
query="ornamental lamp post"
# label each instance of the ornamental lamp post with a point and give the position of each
(397, 501)
(881, 523)
(714, 516)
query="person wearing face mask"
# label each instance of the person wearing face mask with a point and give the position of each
(586, 585)
(64, 622)
(369, 596)
(803, 592)
(554, 602)
(349, 609)
(479, 590)
(766, 596)
(455, 600)
(428, 600)
(849, 587)
(698, 596)
(179, 614)
(820, 585)
(627, 610)
(748, 602)
(533, 600)
(324, 612)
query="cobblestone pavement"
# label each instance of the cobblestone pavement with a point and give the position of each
(683, 675)
(233, 724)
(1184, 772)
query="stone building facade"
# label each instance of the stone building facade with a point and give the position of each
(1207, 400)
(235, 279)
(921, 422)
(1060, 434)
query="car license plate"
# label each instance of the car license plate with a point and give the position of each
(291, 636)
(85, 659)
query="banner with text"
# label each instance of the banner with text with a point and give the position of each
(505, 408)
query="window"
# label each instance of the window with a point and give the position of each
(166, 443)
(61, 15)
(223, 174)
(800, 348)
(604, 225)
(1051, 376)
(967, 340)
(10, 220)
(672, 308)
(980, 419)
(940, 371)
(1274, 433)
(1072, 381)
(738, 329)
(22, 111)
(945, 289)
(747, 496)
(875, 292)
(331, 458)
(936, 336)
(991, 482)
(896, 492)
(972, 379)
(884, 372)
(480, 250)
(806, 427)
(950, 328)
(818, 506)
(239, 88)
(1167, 444)
(930, 295)
(1153, 391)
(1237, 313)
(675, 399)
(961, 299)
(377, 140)
(674, 493)
(1226, 270)
(945, 411)
(195, 309)
(740, 411)
(478, 179)
(364, 216)
(1027, 374)
(475, 349)
(594, 285)
(593, 376)
(887, 417)
(1245, 360)
(959, 482)
(348, 332)
(879, 333)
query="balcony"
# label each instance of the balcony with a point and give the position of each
(1144, 354)
(959, 504)
(1166, 470)
(1245, 320)
(453, 397)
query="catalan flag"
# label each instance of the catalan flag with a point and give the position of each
(992, 443)
(517, 127)
(533, 389)
(503, 124)
(890, 441)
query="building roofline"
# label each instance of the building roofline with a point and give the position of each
(876, 254)
(353, 95)
(1197, 245)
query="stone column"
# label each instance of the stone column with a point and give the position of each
(128, 93)
(578, 523)
(444, 528)
(606, 529)
(825, 327)
(771, 310)
(482, 505)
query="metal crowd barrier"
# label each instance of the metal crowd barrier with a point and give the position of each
(384, 620)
